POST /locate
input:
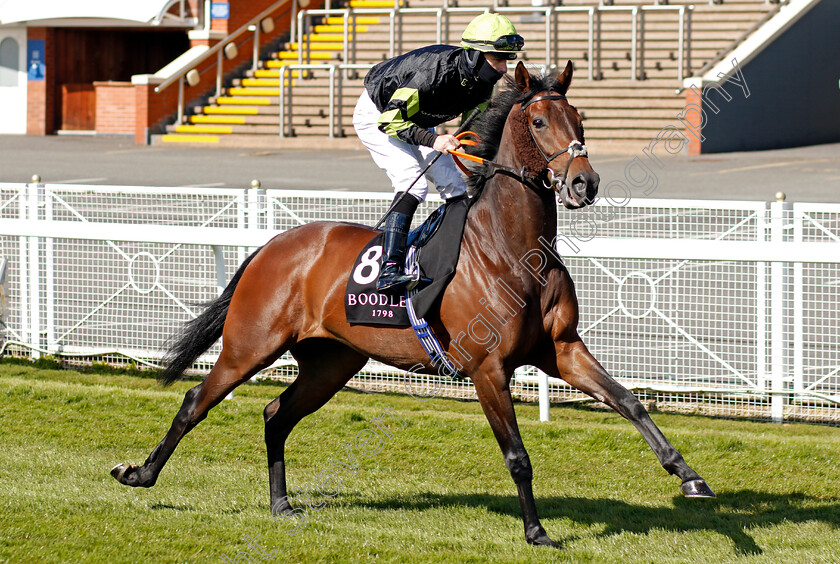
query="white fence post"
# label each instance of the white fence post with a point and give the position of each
(545, 412)
(255, 209)
(221, 275)
(49, 281)
(779, 323)
(256, 206)
(4, 293)
(798, 310)
(241, 222)
(761, 303)
(34, 196)
(23, 263)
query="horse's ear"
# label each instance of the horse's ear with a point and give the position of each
(565, 78)
(523, 78)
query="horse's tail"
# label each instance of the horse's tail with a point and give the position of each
(197, 335)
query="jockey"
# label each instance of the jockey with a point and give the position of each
(405, 98)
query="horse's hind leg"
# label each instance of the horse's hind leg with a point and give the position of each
(235, 366)
(324, 367)
(576, 365)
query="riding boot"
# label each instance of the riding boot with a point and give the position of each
(393, 274)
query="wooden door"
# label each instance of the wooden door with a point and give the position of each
(78, 107)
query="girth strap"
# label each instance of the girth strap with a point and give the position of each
(426, 336)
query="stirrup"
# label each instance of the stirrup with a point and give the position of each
(418, 283)
(392, 277)
(397, 282)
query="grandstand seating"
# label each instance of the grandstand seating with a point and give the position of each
(616, 107)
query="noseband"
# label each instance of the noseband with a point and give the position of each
(575, 148)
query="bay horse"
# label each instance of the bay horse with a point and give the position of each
(288, 296)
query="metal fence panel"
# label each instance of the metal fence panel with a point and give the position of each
(727, 308)
(815, 366)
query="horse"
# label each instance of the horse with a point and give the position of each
(288, 296)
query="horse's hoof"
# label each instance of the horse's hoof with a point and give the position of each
(697, 488)
(544, 541)
(282, 507)
(128, 475)
(118, 472)
(541, 539)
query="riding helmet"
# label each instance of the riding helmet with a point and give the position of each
(493, 34)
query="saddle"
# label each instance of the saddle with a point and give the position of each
(432, 252)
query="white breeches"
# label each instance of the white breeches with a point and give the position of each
(403, 162)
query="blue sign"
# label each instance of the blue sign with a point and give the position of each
(35, 60)
(219, 10)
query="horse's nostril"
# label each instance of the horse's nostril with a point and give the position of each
(579, 184)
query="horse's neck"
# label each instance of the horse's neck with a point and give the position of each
(510, 220)
(511, 217)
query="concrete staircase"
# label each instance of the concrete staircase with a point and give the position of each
(618, 111)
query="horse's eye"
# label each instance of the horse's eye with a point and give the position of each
(538, 123)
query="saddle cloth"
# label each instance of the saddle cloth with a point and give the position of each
(437, 246)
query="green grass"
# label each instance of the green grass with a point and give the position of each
(437, 491)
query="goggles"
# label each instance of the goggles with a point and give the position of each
(506, 43)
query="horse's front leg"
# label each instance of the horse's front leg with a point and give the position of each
(575, 364)
(493, 392)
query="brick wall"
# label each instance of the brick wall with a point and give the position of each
(40, 94)
(115, 107)
(243, 10)
(222, 25)
(151, 108)
(693, 124)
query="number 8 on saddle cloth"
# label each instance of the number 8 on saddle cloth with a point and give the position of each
(436, 246)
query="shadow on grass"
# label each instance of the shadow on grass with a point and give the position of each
(731, 514)
(172, 507)
(159, 506)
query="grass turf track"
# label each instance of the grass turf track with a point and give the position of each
(436, 491)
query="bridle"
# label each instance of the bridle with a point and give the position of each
(527, 178)
(575, 148)
(534, 181)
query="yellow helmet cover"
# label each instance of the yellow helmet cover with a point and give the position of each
(495, 34)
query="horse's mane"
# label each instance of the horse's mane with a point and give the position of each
(490, 124)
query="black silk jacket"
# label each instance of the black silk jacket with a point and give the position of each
(425, 88)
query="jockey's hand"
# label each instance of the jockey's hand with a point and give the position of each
(445, 143)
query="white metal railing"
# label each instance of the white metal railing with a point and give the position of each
(729, 305)
(161, 17)
(340, 72)
(301, 25)
(227, 47)
(335, 100)
(551, 15)
(504, 3)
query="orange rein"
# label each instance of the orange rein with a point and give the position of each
(463, 137)
(522, 176)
